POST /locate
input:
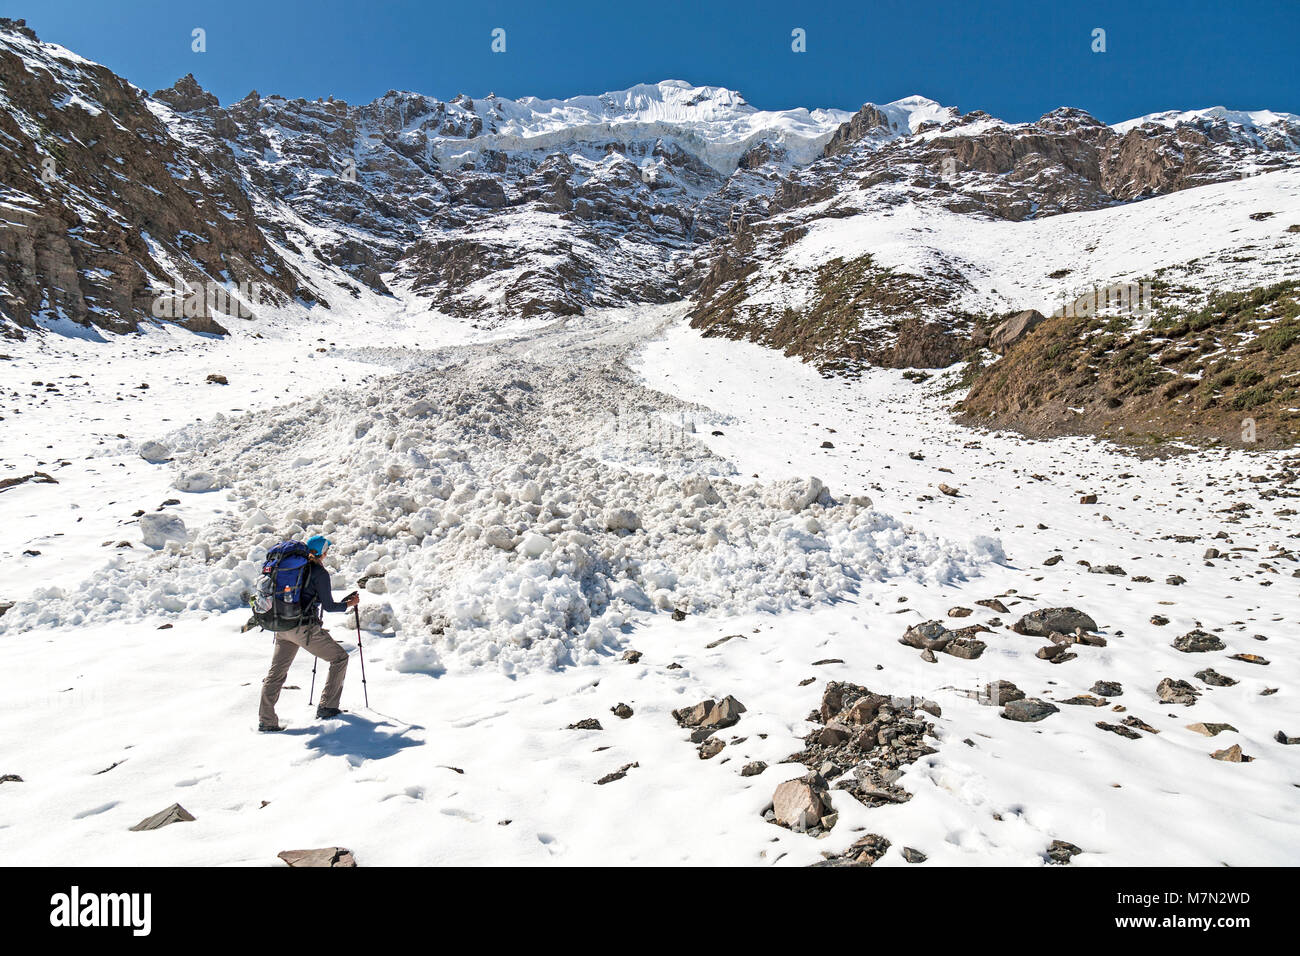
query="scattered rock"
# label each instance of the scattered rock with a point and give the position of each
(1210, 730)
(1214, 678)
(959, 612)
(1085, 700)
(1044, 621)
(948, 490)
(1052, 561)
(1280, 737)
(709, 714)
(928, 635)
(1118, 729)
(173, 814)
(631, 656)
(621, 710)
(1249, 659)
(618, 774)
(330, 856)
(1175, 580)
(711, 748)
(216, 379)
(1172, 691)
(589, 723)
(753, 768)
(1000, 692)
(913, 856)
(1198, 642)
(800, 804)
(864, 852)
(1088, 500)
(1107, 688)
(11, 778)
(1134, 721)
(966, 648)
(1232, 754)
(1061, 852)
(1028, 709)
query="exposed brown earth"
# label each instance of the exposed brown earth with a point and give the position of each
(1195, 374)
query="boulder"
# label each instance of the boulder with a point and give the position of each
(710, 714)
(1045, 620)
(801, 803)
(1014, 329)
(1028, 710)
(1172, 691)
(928, 635)
(1000, 692)
(1198, 642)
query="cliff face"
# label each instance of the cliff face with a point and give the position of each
(102, 208)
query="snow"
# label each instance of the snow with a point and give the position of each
(713, 123)
(176, 706)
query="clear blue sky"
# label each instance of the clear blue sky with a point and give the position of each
(1017, 60)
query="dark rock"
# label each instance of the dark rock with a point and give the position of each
(1028, 709)
(1214, 678)
(1198, 642)
(621, 710)
(1044, 621)
(711, 748)
(618, 774)
(1062, 852)
(1107, 688)
(589, 723)
(1172, 691)
(1000, 692)
(753, 768)
(1117, 729)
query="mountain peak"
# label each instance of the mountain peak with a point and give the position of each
(186, 95)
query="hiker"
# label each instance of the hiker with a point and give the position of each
(316, 598)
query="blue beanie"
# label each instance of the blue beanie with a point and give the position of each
(317, 544)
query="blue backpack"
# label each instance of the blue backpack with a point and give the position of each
(278, 603)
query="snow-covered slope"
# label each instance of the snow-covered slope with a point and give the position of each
(714, 124)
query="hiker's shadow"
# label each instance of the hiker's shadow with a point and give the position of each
(359, 739)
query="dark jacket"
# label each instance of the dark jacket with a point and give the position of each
(316, 593)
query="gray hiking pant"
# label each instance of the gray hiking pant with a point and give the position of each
(317, 641)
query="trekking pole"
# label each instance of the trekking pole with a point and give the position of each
(361, 653)
(315, 661)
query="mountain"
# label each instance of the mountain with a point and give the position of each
(494, 209)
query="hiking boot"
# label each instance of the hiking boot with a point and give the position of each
(269, 728)
(325, 713)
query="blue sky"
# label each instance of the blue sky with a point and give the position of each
(1016, 60)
